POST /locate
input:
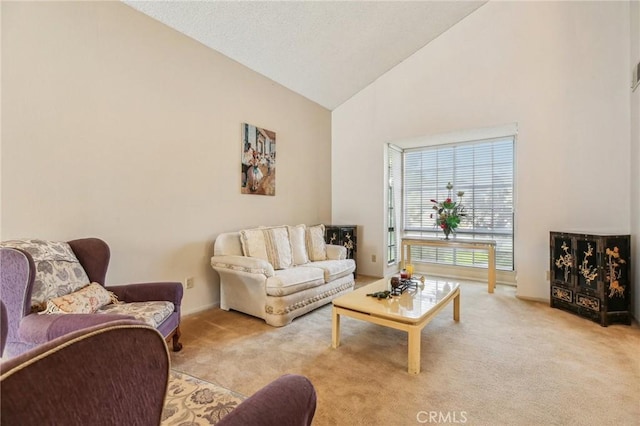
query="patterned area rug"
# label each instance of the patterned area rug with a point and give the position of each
(192, 401)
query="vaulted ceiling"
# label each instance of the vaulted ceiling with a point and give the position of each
(326, 51)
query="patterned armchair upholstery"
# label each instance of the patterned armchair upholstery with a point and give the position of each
(53, 288)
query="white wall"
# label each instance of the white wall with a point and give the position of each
(560, 70)
(635, 159)
(115, 126)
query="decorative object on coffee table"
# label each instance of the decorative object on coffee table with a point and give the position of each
(395, 282)
(449, 212)
(405, 284)
(409, 268)
(590, 276)
(380, 294)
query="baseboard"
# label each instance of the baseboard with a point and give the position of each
(200, 309)
(533, 299)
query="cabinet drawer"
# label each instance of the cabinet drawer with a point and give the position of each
(588, 302)
(562, 293)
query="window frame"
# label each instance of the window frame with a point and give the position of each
(460, 139)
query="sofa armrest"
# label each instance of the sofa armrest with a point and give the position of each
(251, 265)
(336, 252)
(288, 400)
(41, 328)
(144, 292)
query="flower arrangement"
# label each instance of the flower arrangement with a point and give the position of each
(449, 212)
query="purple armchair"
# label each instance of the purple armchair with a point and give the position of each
(27, 330)
(290, 400)
(117, 374)
(95, 376)
(4, 328)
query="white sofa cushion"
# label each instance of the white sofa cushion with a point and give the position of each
(333, 269)
(316, 247)
(293, 280)
(270, 244)
(297, 237)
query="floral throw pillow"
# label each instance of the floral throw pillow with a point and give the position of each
(58, 271)
(84, 301)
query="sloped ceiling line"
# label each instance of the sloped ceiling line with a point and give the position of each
(326, 51)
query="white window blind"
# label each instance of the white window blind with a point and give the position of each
(484, 171)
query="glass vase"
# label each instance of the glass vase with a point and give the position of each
(447, 232)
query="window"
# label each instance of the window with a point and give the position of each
(394, 200)
(483, 169)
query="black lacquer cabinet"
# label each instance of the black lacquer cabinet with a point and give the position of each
(343, 235)
(590, 276)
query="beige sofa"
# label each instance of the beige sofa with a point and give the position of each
(279, 273)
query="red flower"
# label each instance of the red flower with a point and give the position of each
(448, 212)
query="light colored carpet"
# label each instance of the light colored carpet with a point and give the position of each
(507, 362)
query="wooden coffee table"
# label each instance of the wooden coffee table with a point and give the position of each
(410, 312)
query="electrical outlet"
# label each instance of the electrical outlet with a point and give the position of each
(373, 258)
(188, 282)
(548, 275)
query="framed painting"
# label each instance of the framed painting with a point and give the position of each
(258, 160)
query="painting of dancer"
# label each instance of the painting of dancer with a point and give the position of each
(258, 160)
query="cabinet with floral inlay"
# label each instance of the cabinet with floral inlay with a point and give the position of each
(343, 235)
(590, 276)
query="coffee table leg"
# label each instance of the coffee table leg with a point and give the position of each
(456, 307)
(414, 350)
(335, 329)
